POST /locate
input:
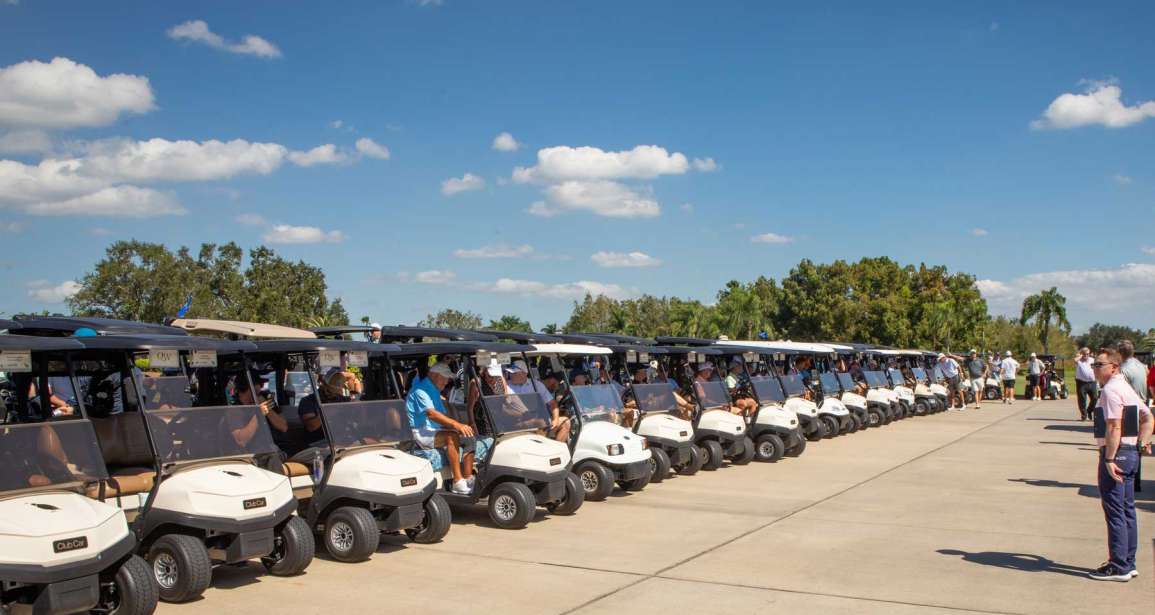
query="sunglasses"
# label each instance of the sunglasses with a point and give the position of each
(1100, 364)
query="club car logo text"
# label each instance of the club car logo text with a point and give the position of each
(556, 461)
(254, 503)
(408, 482)
(70, 544)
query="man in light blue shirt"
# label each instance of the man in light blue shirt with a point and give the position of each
(434, 429)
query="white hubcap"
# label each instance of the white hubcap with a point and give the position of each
(164, 568)
(505, 507)
(341, 536)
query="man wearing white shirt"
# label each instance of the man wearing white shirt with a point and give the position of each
(1086, 390)
(1007, 369)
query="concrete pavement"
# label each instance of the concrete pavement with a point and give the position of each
(992, 511)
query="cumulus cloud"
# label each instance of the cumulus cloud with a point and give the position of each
(500, 250)
(1150, 250)
(505, 142)
(1123, 180)
(979, 232)
(569, 290)
(114, 201)
(183, 160)
(603, 198)
(286, 234)
(772, 238)
(322, 154)
(1126, 292)
(561, 163)
(64, 94)
(1102, 104)
(25, 142)
(250, 219)
(371, 149)
(705, 165)
(465, 183)
(624, 259)
(46, 292)
(11, 227)
(435, 276)
(197, 31)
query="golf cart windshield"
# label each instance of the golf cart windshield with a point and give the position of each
(185, 432)
(793, 384)
(876, 380)
(598, 402)
(712, 394)
(366, 423)
(919, 374)
(829, 382)
(767, 389)
(847, 381)
(39, 455)
(938, 375)
(655, 397)
(523, 412)
(897, 378)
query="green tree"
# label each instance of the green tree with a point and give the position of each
(450, 318)
(1044, 307)
(551, 328)
(509, 322)
(1100, 335)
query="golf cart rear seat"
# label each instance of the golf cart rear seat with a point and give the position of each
(292, 468)
(124, 445)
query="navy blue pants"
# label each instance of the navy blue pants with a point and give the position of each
(1119, 507)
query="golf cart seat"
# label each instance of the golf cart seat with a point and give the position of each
(292, 468)
(123, 440)
(126, 481)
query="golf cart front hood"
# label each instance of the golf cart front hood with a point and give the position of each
(803, 407)
(723, 421)
(666, 427)
(831, 405)
(49, 528)
(776, 415)
(531, 452)
(596, 439)
(382, 470)
(854, 400)
(227, 490)
(904, 393)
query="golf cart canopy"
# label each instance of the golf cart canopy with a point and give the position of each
(683, 350)
(522, 336)
(64, 326)
(684, 341)
(622, 339)
(592, 339)
(433, 348)
(769, 347)
(567, 349)
(317, 345)
(130, 343)
(340, 330)
(241, 328)
(422, 334)
(9, 324)
(10, 343)
(622, 348)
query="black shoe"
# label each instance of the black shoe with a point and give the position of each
(1108, 572)
(1134, 571)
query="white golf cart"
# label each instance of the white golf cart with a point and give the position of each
(718, 432)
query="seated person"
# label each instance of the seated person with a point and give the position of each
(521, 383)
(433, 428)
(59, 406)
(560, 426)
(705, 370)
(245, 397)
(744, 405)
(333, 390)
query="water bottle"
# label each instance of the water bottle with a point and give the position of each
(318, 468)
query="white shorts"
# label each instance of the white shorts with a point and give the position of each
(978, 384)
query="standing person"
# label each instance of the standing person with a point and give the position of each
(1150, 385)
(977, 372)
(1007, 369)
(1035, 369)
(1086, 390)
(950, 371)
(1122, 429)
(375, 333)
(1133, 369)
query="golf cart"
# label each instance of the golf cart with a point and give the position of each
(926, 398)
(718, 432)
(1052, 384)
(415, 335)
(62, 550)
(604, 451)
(517, 468)
(354, 483)
(777, 361)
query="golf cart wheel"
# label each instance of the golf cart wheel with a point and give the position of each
(712, 455)
(830, 424)
(512, 505)
(659, 465)
(351, 534)
(921, 408)
(1063, 395)
(293, 548)
(818, 432)
(637, 484)
(846, 424)
(694, 464)
(181, 566)
(798, 448)
(435, 524)
(747, 454)
(129, 590)
(874, 417)
(575, 496)
(769, 447)
(597, 480)
(991, 395)
(855, 423)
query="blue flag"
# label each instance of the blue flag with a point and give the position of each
(184, 308)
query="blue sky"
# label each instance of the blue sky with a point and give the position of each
(1011, 141)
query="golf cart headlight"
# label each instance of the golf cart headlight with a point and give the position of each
(614, 449)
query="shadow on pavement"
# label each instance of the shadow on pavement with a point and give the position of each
(1082, 444)
(1024, 562)
(1086, 428)
(1039, 418)
(1090, 491)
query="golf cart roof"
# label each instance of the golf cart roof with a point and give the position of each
(680, 350)
(9, 324)
(241, 328)
(315, 345)
(419, 334)
(737, 347)
(522, 336)
(594, 339)
(9, 343)
(340, 330)
(431, 348)
(169, 342)
(779, 347)
(667, 340)
(623, 339)
(63, 326)
(622, 348)
(580, 349)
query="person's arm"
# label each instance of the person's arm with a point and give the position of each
(1146, 425)
(445, 421)
(276, 421)
(244, 434)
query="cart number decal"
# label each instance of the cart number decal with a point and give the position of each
(359, 358)
(202, 358)
(329, 358)
(70, 544)
(643, 357)
(16, 361)
(683, 433)
(408, 482)
(254, 503)
(750, 357)
(163, 357)
(504, 358)
(556, 461)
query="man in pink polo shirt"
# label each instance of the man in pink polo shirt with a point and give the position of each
(1122, 427)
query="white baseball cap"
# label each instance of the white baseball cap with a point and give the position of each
(493, 369)
(1008, 353)
(517, 366)
(707, 366)
(1033, 355)
(441, 369)
(375, 325)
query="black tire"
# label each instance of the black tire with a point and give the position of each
(293, 548)
(637, 484)
(769, 448)
(180, 566)
(818, 432)
(575, 496)
(747, 454)
(659, 465)
(712, 455)
(829, 425)
(692, 466)
(876, 417)
(798, 448)
(435, 524)
(130, 589)
(512, 505)
(846, 424)
(597, 480)
(921, 408)
(351, 534)
(855, 423)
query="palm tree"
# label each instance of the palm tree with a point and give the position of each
(1044, 307)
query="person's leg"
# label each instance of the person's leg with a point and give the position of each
(450, 441)
(979, 385)
(1130, 460)
(1111, 496)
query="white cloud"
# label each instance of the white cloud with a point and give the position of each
(979, 232)
(435, 276)
(49, 180)
(430, 2)
(1125, 292)
(25, 142)
(286, 234)
(687, 207)
(45, 292)
(197, 31)
(164, 160)
(505, 142)
(99, 231)
(250, 219)
(11, 227)
(772, 238)
(561, 163)
(500, 250)
(1102, 104)
(1123, 180)
(570, 290)
(322, 154)
(705, 165)
(624, 259)
(371, 149)
(115, 201)
(603, 198)
(465, 183)
(64, 94)
(1148, 250)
